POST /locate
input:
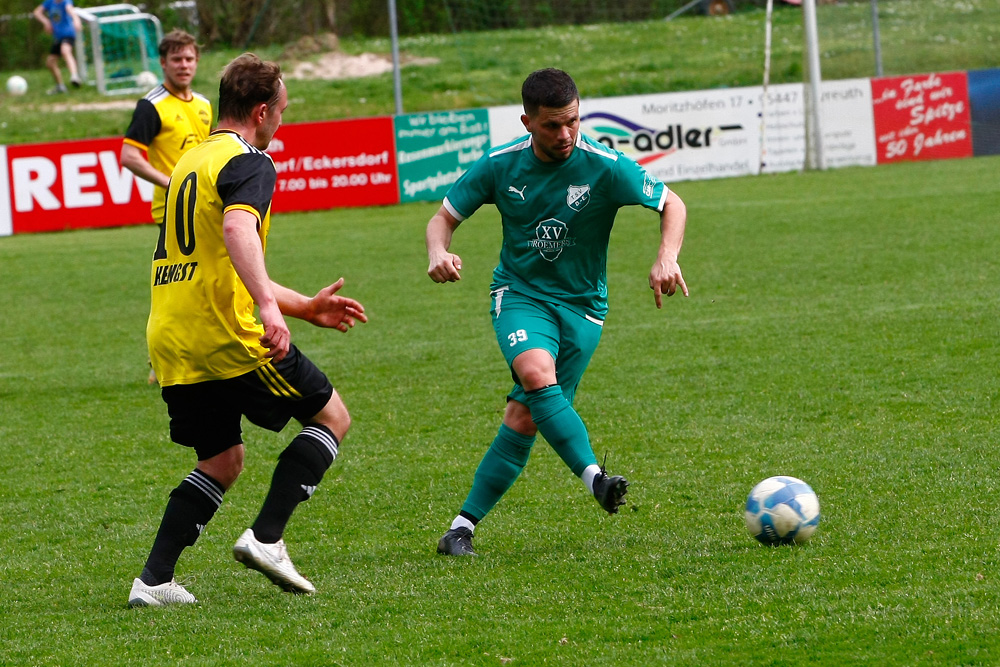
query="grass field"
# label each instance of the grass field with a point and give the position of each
(841, 328)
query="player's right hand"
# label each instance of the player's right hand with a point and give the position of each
(277, 338)
(445, 268)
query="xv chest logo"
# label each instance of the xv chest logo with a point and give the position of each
(520, 192)
(551, 236)
(577, 196)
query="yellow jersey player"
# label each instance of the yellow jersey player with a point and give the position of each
(215, 361)
(168, 122)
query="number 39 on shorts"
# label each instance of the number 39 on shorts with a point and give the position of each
(518, 336)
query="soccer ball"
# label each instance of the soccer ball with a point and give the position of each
(146, 79)
(16, 85)
(782, 510)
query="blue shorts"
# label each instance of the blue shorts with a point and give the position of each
(522, 323)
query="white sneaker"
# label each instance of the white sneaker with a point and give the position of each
(143, 595)
(272, 561)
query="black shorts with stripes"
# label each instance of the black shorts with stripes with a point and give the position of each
(207, 415)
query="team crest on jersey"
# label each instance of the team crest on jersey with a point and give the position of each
(577, 196)
(551, 236)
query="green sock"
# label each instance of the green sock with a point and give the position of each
(501, 465)
(562, 427)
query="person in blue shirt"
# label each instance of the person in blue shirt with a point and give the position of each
(558, 193)
(59, 18)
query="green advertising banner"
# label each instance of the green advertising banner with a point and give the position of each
(434, 149)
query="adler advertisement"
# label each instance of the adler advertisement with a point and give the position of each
(676, 136)
(721, 133)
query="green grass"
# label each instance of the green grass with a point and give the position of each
(844, 338)
(487, 68)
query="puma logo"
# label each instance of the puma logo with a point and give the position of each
(520, 192)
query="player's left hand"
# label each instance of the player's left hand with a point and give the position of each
(665, 278)
(326, 309)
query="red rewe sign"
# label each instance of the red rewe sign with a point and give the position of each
(73, 185)
(334, 164)
(922, 117)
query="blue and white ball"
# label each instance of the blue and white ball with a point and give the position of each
(782, 510)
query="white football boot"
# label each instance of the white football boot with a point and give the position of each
(143, 595)
(272, 561)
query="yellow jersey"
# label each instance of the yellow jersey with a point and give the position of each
(166, 127)
(202, 324)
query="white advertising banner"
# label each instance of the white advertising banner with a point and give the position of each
(675, 136)
(717, 133)
(847, 119)
(784, 127)
(505, 124)
(679, 136)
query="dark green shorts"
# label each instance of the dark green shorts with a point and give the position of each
(522, 323)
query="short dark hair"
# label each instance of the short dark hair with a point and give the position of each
(246, 82)
(550, 87)
(175, 40)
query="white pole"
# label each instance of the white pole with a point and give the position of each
(396, 78)
(877, 38)
(767, 80)
(814, 134)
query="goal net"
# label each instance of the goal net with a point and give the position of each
(118, 42)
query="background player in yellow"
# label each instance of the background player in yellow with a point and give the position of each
(169, 121)
(215, 361)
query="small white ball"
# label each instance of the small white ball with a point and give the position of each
(146, 79)
(16, 85)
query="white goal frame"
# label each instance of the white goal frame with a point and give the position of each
(93, 19)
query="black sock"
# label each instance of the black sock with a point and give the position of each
(191, 506)
(300, 468)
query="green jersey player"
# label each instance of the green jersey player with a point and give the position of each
(558, 193)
